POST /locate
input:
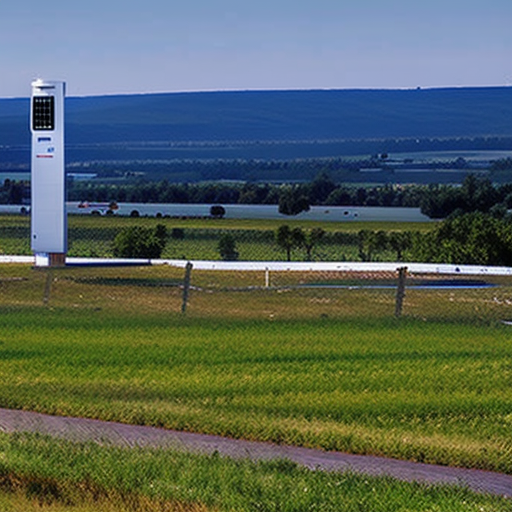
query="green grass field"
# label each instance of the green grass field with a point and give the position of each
(40, 474)
(435, 391)
(231, 294)
(323, 368)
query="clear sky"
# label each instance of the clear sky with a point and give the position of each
(141, 46)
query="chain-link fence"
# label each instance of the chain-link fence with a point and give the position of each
(265, 294)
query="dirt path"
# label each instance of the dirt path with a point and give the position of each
(80, 429)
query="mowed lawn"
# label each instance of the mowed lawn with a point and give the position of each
(431, 391)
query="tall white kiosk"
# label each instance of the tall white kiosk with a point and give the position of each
(48, 178)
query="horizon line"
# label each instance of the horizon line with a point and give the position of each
(309, 89)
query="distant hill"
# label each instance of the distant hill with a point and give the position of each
(316, 115)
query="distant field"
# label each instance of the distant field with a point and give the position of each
(124, 166)
(263, 163)
(93, 236)
(443, 156)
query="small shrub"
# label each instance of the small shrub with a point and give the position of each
(139, 242)
(227, 248)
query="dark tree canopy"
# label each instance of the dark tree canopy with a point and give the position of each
(292, 201)
(140, 242)
(473, 238)
(217, 211)
(227, 248)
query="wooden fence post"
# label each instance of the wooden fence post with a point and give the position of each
(186, 286)
(400, 291)
(48, 287)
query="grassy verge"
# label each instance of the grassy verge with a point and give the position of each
(38, 473)
(427, 391)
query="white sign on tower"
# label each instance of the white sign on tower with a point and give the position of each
(48, 179)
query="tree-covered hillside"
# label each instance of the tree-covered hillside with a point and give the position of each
(143, 133)
(275, 115)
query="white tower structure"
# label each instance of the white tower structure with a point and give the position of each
(48, 179)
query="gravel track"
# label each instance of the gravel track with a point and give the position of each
(119, 434)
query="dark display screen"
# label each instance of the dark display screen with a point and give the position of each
(43, 113)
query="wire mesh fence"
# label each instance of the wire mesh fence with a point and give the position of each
(264, 294)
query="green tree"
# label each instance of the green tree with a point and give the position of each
(227, 248)
(502, 164)
(475, 194)
(399, 241)
(341, 196)
(217, 211)
(479, 194)
(369, 242)
(16, 193)
(140, 242)
(439, 201)
(289, 239)
(292, 201)
(310, 240)
(320, 188)
(473, 239)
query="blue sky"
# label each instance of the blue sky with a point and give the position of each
(128, 46)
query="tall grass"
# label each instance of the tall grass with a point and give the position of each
(50, 473)
(427, 391)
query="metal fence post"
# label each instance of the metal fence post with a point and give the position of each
(186, 286)
(400, 291)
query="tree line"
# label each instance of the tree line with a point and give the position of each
(435, 201)
(277, 160)
(14, 192)
(473, 238)
(464, 239)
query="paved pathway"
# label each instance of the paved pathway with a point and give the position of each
(80, 429)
